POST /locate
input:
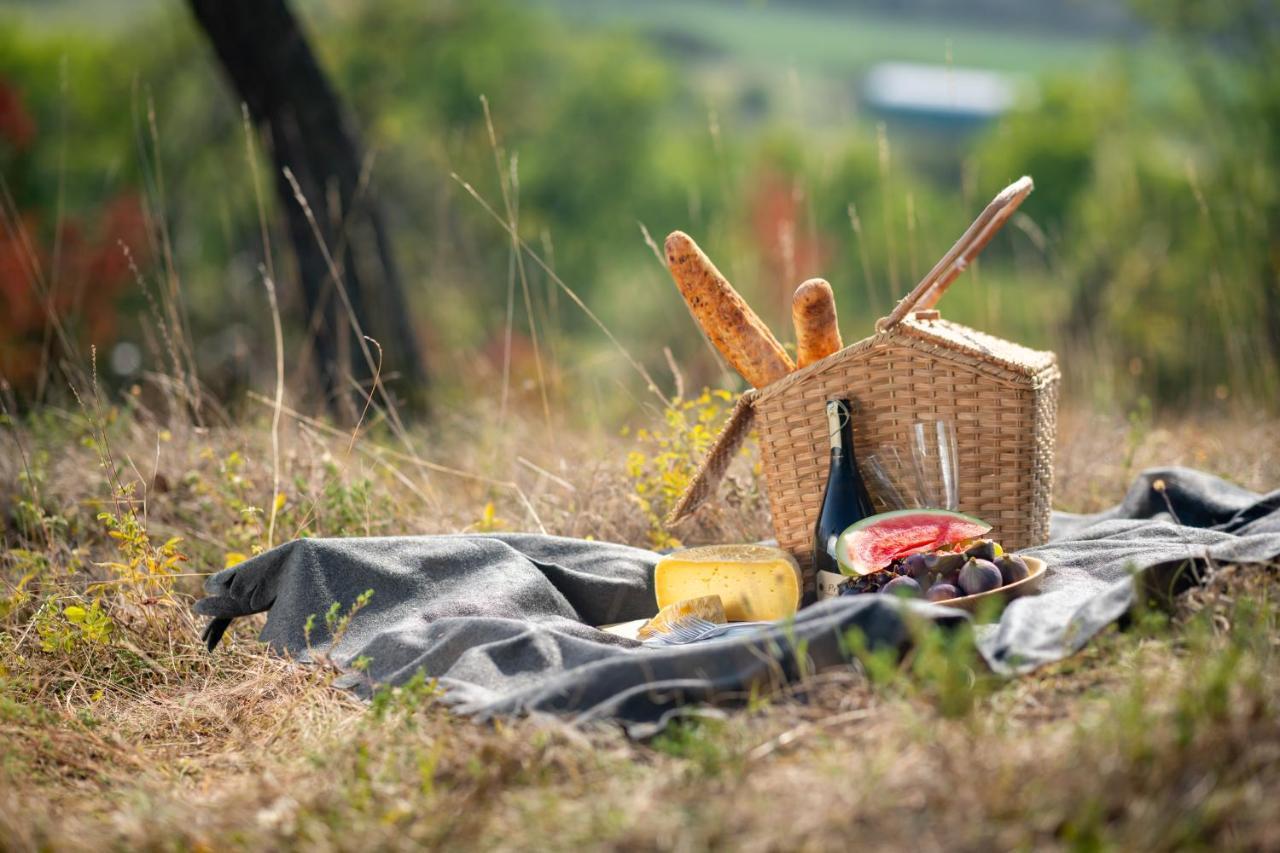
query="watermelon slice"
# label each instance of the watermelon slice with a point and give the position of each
(878, 540)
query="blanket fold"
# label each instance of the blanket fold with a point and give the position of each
(504, 621)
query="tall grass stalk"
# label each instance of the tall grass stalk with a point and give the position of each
(650, 384)
(508, 186)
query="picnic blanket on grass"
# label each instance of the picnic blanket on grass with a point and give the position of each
(504, 621)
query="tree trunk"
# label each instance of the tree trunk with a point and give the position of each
(273, 70)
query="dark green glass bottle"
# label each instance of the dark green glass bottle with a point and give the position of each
(845, 500)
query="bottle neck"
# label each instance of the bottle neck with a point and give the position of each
(839, 430)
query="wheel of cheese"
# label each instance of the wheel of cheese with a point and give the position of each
(755, 582)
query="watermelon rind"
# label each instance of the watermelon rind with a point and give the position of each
(968, 527)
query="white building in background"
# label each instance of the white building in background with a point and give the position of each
(939, 93)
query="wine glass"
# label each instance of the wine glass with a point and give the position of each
(925, 476)
(893, 479)
(934, 454)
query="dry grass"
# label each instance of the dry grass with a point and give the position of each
(1164, 736)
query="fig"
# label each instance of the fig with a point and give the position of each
(983, 549)
(946, 568)
(918, 566)
(1012, 568)
(905, 586)
(979, 576)
(942, 592)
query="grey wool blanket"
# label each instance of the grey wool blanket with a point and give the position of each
(504, 622)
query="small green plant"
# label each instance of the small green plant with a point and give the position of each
(947, 669)
(33, 514)
(699, 740)
(66, 629)
(246, 534)
(32, 569)
(942, 666)
(345, 509)
(336, 622)
(145, 568)
(880, 663)
(27, 566)
(412, 696)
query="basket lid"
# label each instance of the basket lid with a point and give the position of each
(997, 352)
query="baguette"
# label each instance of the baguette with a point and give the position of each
(740, 336)
(813, 311)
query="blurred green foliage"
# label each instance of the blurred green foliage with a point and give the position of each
(1164, 215)
(1146, 256)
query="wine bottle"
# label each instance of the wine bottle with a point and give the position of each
(844, 502)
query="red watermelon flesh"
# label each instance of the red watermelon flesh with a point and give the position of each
(876, 541)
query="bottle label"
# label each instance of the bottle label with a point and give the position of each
(828, 583)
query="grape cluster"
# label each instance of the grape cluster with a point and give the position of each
(979, 566)
(873, 582)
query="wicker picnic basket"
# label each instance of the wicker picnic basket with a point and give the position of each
(1002, 398)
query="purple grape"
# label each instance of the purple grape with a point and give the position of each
(877, 581)
(979, 576)
(861, 584)
(874, 582)
(942, 592)
(1012, 568)
(905, 586)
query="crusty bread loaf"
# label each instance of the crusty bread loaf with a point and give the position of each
(813, 311)
(741, 336)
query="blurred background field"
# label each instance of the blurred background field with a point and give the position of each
(777, 134)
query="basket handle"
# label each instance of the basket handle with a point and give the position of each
(930, 289)
(716, 462)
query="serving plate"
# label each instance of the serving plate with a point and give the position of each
(630, 630)
(1029, 585)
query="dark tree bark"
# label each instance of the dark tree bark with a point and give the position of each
(265, 53)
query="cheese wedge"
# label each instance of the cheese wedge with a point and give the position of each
(755, 582)
(708, 607)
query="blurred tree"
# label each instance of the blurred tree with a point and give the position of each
(266, 55)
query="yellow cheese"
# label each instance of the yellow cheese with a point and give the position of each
(708, 607)
(755, 582)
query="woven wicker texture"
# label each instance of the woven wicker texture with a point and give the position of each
(1004, 412)
(1002, 398)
